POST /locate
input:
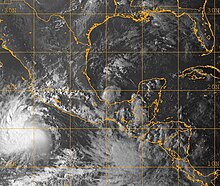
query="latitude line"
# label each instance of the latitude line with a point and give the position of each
(109, 52)
(57, 90)
(104, 128)
(90, 14)
(102, 167)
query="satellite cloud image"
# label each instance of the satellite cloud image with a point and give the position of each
(110, 93)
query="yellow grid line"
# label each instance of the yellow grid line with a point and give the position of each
(104, 128)
(32, 88)
(109, 52)
(70, 85)
(88, 13)
(142, 78)
(6, 2)
(178, 93)
(106, 83)
(102, 167)
(214, 144)
(72, 91)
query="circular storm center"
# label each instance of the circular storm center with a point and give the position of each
(30, 138)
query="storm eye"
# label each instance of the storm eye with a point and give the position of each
(23, 137)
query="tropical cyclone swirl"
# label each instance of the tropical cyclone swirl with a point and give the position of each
(99, 97)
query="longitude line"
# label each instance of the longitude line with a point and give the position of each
(33, 93)
(214, 144)
(178, 71)
(142, 78)
(106, 122)
(69, 65)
